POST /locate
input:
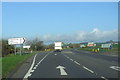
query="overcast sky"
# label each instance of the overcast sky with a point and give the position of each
(69, 22)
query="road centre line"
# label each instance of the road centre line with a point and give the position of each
(71, 59)
(83, 66)
(104, 78)
(76, 62)
(66, 56)
(88, 69)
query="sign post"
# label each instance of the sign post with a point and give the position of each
(15, 41)
(21, 49)
(15, 49)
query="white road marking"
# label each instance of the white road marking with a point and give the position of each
(115, 68)
(66, 56)
(28, 73)
(71, 59)
(30, 70)
(104, 78)
(76, 62)
(43, 59)
(35, 67)
(88, 69)
(62, 71)
(55, 54)
(85, 67)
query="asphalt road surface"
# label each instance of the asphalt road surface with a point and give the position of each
(73, 64)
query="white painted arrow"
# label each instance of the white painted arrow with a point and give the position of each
(115, 68)
(62, 71)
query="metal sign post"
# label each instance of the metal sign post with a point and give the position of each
(21, 49)
(15, 49)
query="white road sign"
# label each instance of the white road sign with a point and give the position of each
(13, 41)
(28, 47)
(106, 45)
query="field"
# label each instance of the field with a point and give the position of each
(0, 67)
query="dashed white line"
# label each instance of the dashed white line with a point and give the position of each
(104, 78)
(85, 67)
(88, 69)
(35, 67)
(76, 62)
(71, 59)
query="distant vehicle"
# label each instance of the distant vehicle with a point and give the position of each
(58, 46)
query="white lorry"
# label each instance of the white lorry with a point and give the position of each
(58, 46)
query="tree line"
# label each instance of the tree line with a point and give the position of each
(36, 45)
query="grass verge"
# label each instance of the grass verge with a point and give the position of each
(0, 67)
(11, 61)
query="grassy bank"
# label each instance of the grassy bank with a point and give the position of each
(11, 61)
(0, 67)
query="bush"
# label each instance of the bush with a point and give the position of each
(7, 49)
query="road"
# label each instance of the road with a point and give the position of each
(73, 64)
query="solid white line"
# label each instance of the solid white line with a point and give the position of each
(88, 69)
(43, 58)
(28, 73)
(76, 62)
